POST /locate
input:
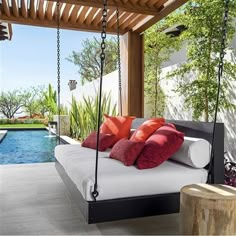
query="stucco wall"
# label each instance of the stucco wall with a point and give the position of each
(175, 102)
(110, 84)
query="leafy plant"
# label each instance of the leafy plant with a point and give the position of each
(203, 20)
(83, 115)
(50, 100)
(158, 48)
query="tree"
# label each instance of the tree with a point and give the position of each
(203, 20)
(158, 48)
(11, 102)
(33, 102)
(88, 60)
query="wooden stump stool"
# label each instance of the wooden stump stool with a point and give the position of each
(208, 210)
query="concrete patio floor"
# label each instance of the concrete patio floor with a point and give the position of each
(35, 201)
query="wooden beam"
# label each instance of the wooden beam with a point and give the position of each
(24, 10)
(127, 6)
(151, 3)
(6, 9)
(32, 9)
(163, 13)
(125, 23)
(113, 21)
(3, 33)
(91, 16)
(53, 24)
(133, 2)
(41, 13)
(15, 8)
(160, 3)
(65, 13)
(134, 22)
(142, 2)
(74, 14)
(82, 14)
(54, 14)
(98, 17)
(10, 31)
(132, 69)
(48, 10)
(3, 37)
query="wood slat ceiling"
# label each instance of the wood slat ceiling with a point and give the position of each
(5, 31)
(86, 15)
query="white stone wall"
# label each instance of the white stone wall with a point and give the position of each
(64, 124)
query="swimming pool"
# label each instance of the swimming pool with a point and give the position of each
(27, 146)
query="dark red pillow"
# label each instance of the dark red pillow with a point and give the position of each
(105, 141)
(160, 146)
(126, 151)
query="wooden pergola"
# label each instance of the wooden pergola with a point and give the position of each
(85, 15)
(5, 31)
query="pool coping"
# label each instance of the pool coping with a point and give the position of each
(3, 134)
(65, 139)
(15, 129)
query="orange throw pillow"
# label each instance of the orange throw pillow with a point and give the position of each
(118, 126)
(146, 129)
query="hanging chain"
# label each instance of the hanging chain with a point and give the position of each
(118, 56)
(58, 71)
(95, 192)
(224, 38)
(103, 34)
(220, 73)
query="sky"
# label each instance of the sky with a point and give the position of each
(30, 58)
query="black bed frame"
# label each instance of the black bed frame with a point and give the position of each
(132, 207)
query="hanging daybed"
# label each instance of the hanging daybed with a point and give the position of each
(116, 191)
(127, 192)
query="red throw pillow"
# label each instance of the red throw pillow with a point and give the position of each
(160, 146)
(105, 141)
(118, 126)
(147, 128)
(126, 151)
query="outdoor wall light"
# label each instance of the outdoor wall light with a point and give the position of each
(72, 84)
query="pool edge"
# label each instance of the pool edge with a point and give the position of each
(3, 134)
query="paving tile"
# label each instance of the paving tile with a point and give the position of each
(35, 201)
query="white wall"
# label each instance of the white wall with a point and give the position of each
(175, 103)
(110, 84)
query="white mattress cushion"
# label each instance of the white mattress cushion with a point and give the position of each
(194, 152)
(115, 180)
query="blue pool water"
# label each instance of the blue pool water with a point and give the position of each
(34, 146)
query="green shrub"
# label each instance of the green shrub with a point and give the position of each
(83, 115)
(4, 121)
(21, 121)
